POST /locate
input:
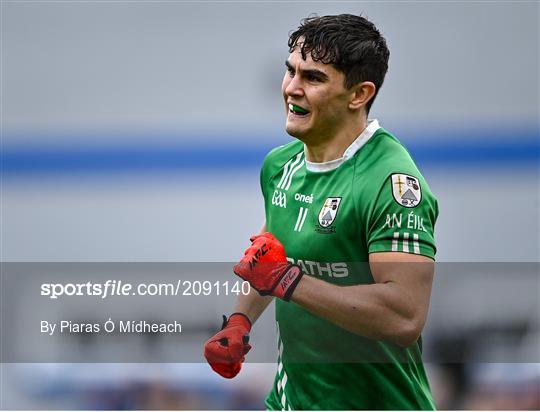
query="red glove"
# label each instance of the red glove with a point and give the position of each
(266, 268)
(226, 349)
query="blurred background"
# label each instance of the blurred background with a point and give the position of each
(134, 132)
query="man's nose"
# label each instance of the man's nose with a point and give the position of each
(294, 88)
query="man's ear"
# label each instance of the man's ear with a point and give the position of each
(361, 94)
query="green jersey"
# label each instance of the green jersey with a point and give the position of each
(330, 217)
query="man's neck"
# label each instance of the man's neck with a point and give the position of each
(333, 148)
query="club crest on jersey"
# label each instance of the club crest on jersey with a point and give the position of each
(328, 212)
(406, 190)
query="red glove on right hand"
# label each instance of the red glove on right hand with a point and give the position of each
(226, 350)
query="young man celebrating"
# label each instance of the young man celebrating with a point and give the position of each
(347, 248)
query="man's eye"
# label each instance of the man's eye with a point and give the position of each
(291, 72)
(312, 78)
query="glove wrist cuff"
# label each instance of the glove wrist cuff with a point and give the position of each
(239, 319)
(288, 282)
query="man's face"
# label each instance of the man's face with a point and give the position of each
(316, 101)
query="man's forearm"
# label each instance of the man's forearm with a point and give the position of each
(252, 304)
(378, 311)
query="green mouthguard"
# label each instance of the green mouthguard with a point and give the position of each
(299, 109)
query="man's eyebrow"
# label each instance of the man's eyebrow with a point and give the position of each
(311, 72)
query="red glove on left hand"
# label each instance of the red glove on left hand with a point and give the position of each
(266, 268)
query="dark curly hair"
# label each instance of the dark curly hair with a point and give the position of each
(352, 44)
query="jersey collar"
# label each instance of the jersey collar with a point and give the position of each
(369, 131)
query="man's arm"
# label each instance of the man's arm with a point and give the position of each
(394, 308)
(226, 350)
(253, 304)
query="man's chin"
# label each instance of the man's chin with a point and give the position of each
(296, 132)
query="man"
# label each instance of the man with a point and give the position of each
(355, 217)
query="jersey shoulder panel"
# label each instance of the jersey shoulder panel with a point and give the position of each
(393, 198)
(382, 155)
(276, 159)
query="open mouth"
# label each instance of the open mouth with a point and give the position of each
(297, 110)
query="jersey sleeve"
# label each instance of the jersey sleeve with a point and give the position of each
(262, 181)
(266, 171)
(273, 163)
(403, 217)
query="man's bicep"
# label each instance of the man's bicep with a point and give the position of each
(411, 274)
(400, 267)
